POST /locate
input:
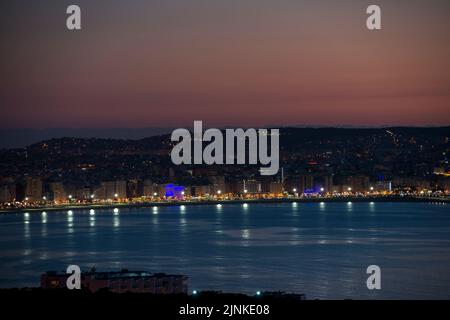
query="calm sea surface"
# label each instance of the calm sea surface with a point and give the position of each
(320, 249)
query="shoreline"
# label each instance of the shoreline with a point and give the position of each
(224, 202)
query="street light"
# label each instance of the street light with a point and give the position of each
(115, 195)
(349, 189)
(245, 190)
(371, 188)
(70, 196)
(219, 192)
(322, 189)
(295, 190)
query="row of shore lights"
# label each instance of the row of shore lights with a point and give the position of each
(70, 197)
(322, 189)
(218, 192)
(116, 195)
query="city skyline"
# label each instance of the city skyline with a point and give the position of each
(254, 64)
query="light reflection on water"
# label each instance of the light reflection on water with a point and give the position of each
(322, 252)
(44, 224)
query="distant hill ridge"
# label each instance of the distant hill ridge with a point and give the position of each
(145, 137)
(289, 136)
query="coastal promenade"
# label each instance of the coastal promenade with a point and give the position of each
(196, 202)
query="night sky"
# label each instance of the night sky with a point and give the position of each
(166, 63)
